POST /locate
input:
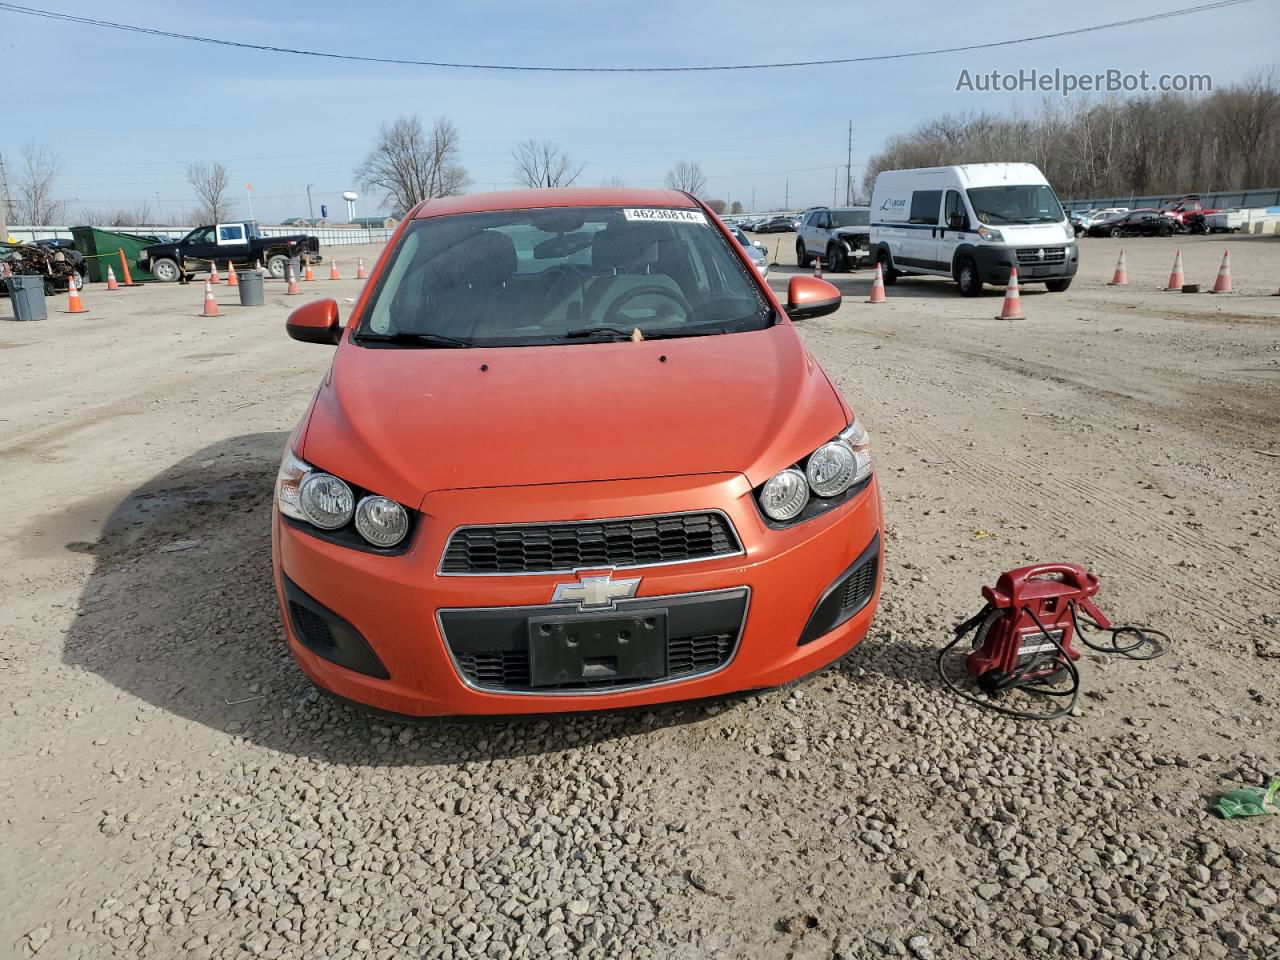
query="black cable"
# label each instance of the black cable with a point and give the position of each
(871, 58)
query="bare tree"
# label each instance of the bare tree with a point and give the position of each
(718, 207)
(209, 180)
(37, 170)
(614, 181)
(408, 166)
(688, 177)
(1247, 116)
(735, 208)
(540, 163)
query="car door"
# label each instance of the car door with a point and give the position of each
(922, 232)
(953, 229)
(816, 228)
(198, 246)
(232, 242)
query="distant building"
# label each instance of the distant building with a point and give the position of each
(370, 223)
(304, 222)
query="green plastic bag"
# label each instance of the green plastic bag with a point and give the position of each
(1249, 802)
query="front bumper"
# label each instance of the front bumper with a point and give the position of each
(399, 605)
(996, 261)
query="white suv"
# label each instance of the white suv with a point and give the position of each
(839, 235)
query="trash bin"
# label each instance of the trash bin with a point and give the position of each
(26, 293)
(251, 289)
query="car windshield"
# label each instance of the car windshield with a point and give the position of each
(561, 275)
(1029, 203)
(850, 218)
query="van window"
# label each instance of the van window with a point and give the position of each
(955, 208)
(1021, 203)
(924, 206)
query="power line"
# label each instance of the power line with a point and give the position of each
(240, 44)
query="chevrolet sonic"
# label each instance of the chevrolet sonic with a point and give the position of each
(571, 454)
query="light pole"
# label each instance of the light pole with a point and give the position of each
(311, 211)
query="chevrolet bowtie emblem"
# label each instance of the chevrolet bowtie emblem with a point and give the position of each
(597, 591)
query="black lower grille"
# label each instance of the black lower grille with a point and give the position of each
(549, 547)
(315, 632)
(509, 669)
(1035, 255)
(859, 587)
(848, 594)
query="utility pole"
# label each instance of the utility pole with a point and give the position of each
(4, 201)
(848, 169)
(311, 211)
(835, 176)
(753, 199)
(786, 196)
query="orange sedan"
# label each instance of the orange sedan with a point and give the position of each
(571, 455)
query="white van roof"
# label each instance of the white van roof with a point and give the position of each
(979, 174)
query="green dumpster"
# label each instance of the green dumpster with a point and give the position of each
(102, 247)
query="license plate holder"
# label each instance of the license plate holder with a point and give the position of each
(579, 649)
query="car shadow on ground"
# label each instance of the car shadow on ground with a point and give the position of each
(180, 612)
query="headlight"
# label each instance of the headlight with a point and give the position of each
(381, 521)
(326, 501)
(830, 469)
(1069, 230)
(990, 233)
(289, 485)
(785, 494)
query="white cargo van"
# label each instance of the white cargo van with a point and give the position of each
(974, 223)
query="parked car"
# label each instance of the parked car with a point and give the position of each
(447, 540)
(755, 250)
(50, 261)
(1221, 221)
(972, 223)
(1183, 211)
(1143, 222)
(241, 242)
(776, 225)
(839, 235)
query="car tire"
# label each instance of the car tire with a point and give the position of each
(1057, 286)
(1116, 233)
(835, 259)
(802, 258)
(165, 270)
(277, 265)
(1165, 231)
(887, 273)
(967, 277)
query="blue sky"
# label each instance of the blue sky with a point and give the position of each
(139, 107)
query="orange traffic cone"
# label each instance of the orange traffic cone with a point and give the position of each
(877, 287)
(232, 279)
(74, 304)
(1121, 276)
(293, 280)
(213, 272)
(1223, 283)
(360, 274)
(1176, 279)
(111, 279)
(1012, 309)
(308, 276)
(333, 269)
(124, 270)
(210, 304)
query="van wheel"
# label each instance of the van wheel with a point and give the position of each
(887, 273)
(835, 259)
(967, 278)
(1057, 286)
(802, 258)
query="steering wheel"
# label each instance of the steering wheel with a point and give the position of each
(613, 316)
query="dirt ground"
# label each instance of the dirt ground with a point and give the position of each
(170, 786)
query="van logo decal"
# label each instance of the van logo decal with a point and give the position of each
(891, 204)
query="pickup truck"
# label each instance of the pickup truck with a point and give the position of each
(242, 242)
(1189, 212)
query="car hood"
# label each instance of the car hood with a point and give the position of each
(407, 422)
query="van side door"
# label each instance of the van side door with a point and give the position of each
(954, 228)
(922, 254)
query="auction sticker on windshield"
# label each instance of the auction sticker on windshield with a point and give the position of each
(666, 216)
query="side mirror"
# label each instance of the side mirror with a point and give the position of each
(809, 297)
(958, 221)
(758, 243)
(315, 322)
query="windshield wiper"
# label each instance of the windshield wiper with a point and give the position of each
(613, 333)
(409, 339)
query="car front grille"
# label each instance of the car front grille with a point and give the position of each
(563, 547)
(1031, 256)
(509, 669)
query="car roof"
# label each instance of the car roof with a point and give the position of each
(552, 197)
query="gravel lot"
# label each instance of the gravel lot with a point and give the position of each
(172, 787)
